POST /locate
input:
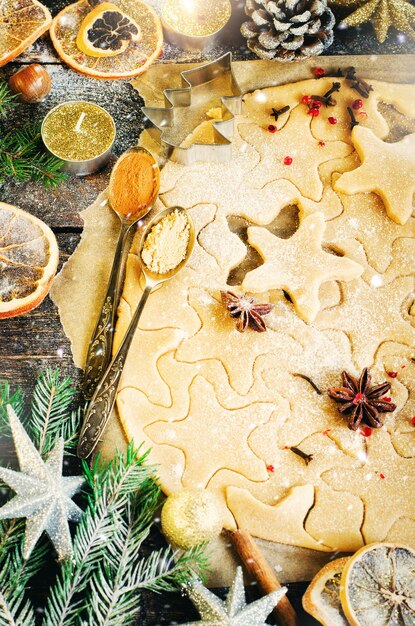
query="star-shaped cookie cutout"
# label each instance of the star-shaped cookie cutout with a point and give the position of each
(387, 169)
(378, 481)
(370, 316)
(362, 218)
(299, 265)
(296, 141)
(225, 434)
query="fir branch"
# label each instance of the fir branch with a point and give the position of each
(22, 158)
(7, 98)
(112, 486)
(51, 416)
(15, 399)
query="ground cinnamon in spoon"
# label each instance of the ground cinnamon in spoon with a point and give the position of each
(134, 184)
(166, 244)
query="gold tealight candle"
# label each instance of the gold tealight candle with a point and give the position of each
(194, 24)
(81, 134)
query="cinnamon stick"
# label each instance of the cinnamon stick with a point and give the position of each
(256, 563)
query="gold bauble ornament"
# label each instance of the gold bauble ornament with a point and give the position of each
(191, 517)
(384, 13)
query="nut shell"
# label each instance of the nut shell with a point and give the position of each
(32, 83)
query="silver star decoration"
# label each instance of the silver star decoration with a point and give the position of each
(234, 611)
(43, 495)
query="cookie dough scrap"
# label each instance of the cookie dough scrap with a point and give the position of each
(298, 265)
(225, 434)
(370, 316)
(306, 155)
(387, 169)
(259, 104)
(399, 369)
(383, 482)
(282, 522)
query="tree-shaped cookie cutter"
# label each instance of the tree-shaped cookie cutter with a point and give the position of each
(186, 107)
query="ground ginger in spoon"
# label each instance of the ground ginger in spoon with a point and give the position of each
(166, 244)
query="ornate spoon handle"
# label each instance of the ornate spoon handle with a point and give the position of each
(100, 407)
(100, 345)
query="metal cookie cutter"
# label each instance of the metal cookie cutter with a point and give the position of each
(205, 88)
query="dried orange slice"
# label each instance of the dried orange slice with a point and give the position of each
(378, 586)
(322, 597)
(136, 57)
(106, 31)
(28, 260)
(21, 23)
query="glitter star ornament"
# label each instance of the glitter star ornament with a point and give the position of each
(383, 14)
(234, 611)
(43, 495)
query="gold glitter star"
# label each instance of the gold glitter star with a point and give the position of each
(384, 13)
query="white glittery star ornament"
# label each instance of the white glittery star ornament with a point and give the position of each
(234, 611)
(43, 495)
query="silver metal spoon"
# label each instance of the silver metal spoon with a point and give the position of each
(133, 189)
(102, 402)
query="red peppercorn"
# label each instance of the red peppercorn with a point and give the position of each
(306, 99)
(314, 112)
(270, 468)
(272, 128)
(381, 475)
(319, 72)
(316, 104)
(413, 421)
(366, 431)
(288, 160)
(393, 374)
(403, 366)
(333, 120)
(386, 399)
(357, 104)
(321, 144)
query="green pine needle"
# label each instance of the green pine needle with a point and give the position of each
(52, 416)
(15, 399)
(22, 158)
(7, 99)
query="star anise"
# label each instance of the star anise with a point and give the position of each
(361, 401)
(246, 310)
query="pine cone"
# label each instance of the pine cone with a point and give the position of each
(288, 31)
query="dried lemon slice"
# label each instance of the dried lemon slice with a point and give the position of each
(106, 31)
(28, 260)
(378, 586)
(322, 597)
(140, 52)
(21, 23)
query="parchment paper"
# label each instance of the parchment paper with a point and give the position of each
(79, 289)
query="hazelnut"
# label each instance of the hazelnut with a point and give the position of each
(32, 83)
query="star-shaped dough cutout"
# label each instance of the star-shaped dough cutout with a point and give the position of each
(378, 481)
(228, 342)
(43, 495)
(299, 265)
(387, 169)
(370, 316)
(294, 140)
(362, 218)
(221, 431)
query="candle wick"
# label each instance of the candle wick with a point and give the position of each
(79, 123)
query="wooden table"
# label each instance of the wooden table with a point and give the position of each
(35, 341)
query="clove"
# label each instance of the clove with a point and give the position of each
(327, 99)
(277, 112)
(353, 120)
(306, 457)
